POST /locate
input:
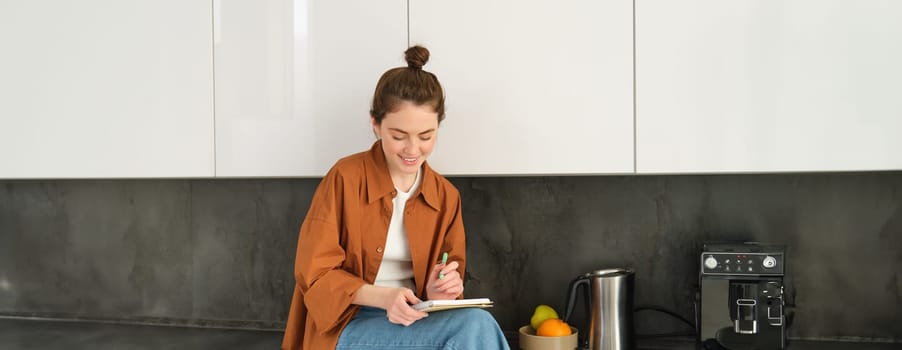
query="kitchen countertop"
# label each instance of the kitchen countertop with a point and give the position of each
(32, 334)
(689, 343)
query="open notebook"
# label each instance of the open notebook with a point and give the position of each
(438, 305)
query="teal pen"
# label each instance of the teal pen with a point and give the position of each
(441, 275)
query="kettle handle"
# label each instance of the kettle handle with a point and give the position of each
(571, 294)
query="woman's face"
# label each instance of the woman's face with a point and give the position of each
(408, 136)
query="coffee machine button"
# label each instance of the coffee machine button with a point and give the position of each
(710, 262)
(769, 262)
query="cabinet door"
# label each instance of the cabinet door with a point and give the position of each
(768, 85)
(533, 87)
(100, 89)
(295, 79)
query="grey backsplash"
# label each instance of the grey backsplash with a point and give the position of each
(221, 252)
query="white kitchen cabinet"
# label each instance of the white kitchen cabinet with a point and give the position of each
(295, 79)
(533, 87)
(768, 85)
(103, 89)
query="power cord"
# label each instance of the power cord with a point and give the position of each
(668, 312)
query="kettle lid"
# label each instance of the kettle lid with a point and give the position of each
(614, 272)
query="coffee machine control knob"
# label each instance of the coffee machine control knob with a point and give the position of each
(710, 262)
(769, 262)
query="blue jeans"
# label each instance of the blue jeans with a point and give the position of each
(459, 329)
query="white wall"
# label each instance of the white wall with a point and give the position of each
(768, 86)
(106, 89)
(126, 89)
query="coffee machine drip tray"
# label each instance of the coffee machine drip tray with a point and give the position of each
(741, 297)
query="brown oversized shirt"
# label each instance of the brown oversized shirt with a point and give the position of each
(343, 237)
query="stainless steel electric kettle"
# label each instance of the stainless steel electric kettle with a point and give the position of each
(610, 308)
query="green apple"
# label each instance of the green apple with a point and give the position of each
(542, 313)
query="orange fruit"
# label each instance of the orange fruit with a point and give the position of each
(553, 327)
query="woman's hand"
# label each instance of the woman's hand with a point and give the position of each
(396, 303)
(447, 288)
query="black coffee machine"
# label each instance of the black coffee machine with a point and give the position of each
(741, 299)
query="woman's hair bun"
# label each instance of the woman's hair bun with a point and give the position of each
(416, 56)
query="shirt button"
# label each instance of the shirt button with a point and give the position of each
(379, 250)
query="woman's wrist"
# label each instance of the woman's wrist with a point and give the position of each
(367, 295)
(375, 296)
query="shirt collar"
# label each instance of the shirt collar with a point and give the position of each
(379, 184)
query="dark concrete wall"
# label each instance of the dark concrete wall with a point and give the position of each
(220, 252)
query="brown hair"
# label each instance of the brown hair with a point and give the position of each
(410, 84)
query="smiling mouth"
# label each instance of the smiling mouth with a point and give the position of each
(410, 160)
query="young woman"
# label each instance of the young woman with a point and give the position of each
(372, 242)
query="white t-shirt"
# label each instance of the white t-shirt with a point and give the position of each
(397, 266)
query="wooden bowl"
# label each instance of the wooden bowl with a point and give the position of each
(530, 341)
